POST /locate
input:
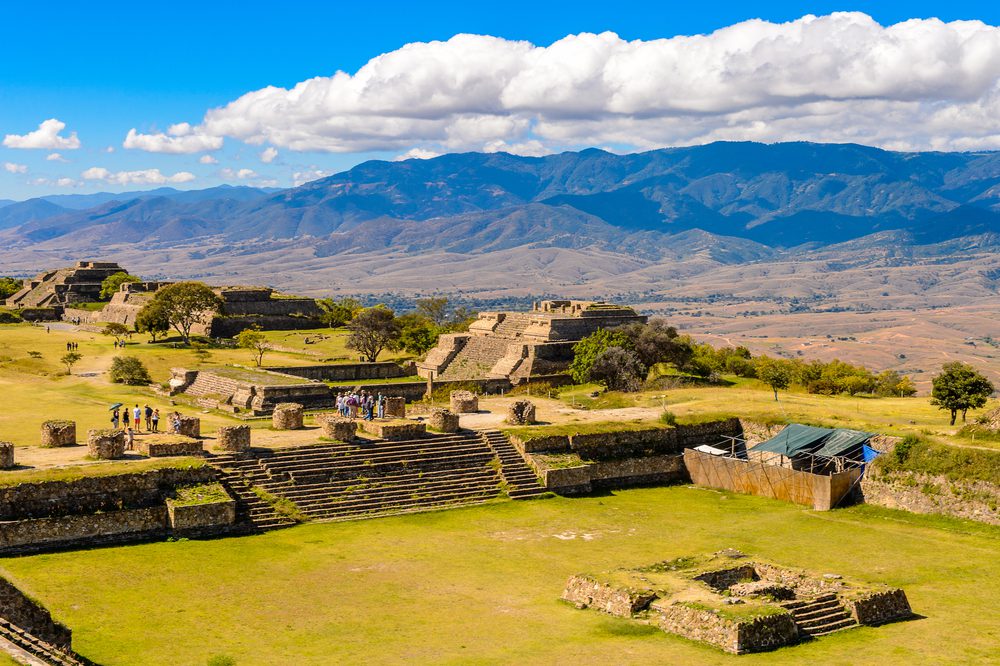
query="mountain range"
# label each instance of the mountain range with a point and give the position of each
(592, 215)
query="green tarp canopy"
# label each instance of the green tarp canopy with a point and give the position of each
(797, 438)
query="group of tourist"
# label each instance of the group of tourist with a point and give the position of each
(152, 418)
(119, 344)
(361, 403)
(72, 346)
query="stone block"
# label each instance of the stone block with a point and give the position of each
(233, 438)
(6, 455)
(186, 447)
(106, 444)
(394, 430)
(189, 426)
(287, 416)
(340, 429)
(521, 412)
(58, 433)
(464, 402)
(395, 407)
(443, 421)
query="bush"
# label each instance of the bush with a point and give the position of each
(668, 417)
(8, 317)
(129, 370)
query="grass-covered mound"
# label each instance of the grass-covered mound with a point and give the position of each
(917, 455)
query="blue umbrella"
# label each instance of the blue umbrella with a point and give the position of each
(114, 406)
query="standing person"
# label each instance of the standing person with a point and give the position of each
(156, 420)
(175, 422)
(137, 415)
(129, 439)
(380, 406)
(114, 419)
(148, 413)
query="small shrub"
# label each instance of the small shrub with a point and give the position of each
(668, 417)
(129, 370)
(221, 660)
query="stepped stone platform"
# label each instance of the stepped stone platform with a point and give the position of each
(64, 286)
(736, 604)
(522, 345)
(255, 391)
(365, 479)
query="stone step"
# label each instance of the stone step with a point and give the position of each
(274, 466)
(377, 492)
(41, 650)
(809, 612)
(818, 620)
(297, 492)
(377, 507)
(829, 628)
(798, 603)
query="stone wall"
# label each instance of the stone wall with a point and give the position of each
(191, 447)
(821, 492)
(187, 520)
(879, 607)
(84, 530)
(346, 372)
(46, 499)
(586, 592)
(18, 609)
(233, 438)
(58, 433)
(923, 493)
(6, 455)
(394, 430)
(736, 636)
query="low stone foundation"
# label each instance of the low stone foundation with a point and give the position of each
(924, 493)
(192, 447)
(6, 455)
(464, 402)
(394, 430)
(879, 607)
(233, 438)
(20, 610)
(106, 444)
(58, 433)
(732, 635)
(586, 592)
(521, 412)
(205, 518)
(287, 416)
(339, 428)
(395, 407)
(443, 421)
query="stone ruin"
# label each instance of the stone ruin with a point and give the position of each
(736, 604)
(521, 412)
(522, 345)
(106, 444)
(337, 427)
(6, 455)
(233, 438)
(58, 433)
(395, 407)
(464, 402)
(64, 286)
(443, 420)
(242, 307)
(287, 416)
(189, 426)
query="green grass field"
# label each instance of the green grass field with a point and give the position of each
(481, 585)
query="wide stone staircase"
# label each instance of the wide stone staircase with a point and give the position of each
(818, 616)
(348, 481)
(512, 326)
(253, 513)
(28, 648)
(476, 359)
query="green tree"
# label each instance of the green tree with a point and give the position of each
(69, 360)
(118, 331)
(152, 319)
(618, 369)
(657, 342)
(338, 313)
(112, 283)
(373, 330)
(776, 373)
(253, 339)
(959, 388)
(586, 351)
(891, 383)
(186, 304)
(9, 286)
(434, 308)
(129, 370)
(418, 334)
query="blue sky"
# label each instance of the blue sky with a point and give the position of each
(106, 68)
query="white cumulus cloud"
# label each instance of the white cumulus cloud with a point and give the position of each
(45, 137)
(268, 154)
(417, 154)
(178, 139)
(917, 84)
(300, 177)
(208, 159)
(141, 177)
(55, 157)
(242, 174)
(13, 167)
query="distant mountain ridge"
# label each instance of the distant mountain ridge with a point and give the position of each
(721, 203)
